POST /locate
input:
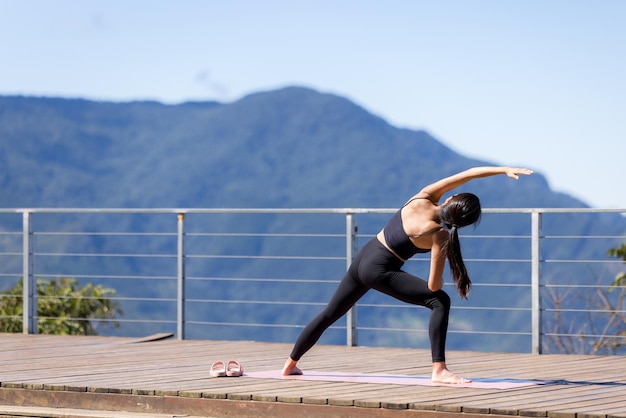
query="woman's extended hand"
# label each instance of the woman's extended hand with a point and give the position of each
(515, 172)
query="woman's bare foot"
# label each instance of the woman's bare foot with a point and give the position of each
(290, 369)
(441, 374)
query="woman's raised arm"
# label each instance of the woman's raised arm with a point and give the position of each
(440, 187)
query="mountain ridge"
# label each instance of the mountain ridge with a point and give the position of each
(300, 135)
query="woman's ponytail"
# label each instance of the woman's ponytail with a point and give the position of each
(461, 210)
(457, 266)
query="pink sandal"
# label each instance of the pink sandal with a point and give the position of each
(218, 369)
(234, 369)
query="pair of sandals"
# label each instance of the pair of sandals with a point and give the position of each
(230, 369)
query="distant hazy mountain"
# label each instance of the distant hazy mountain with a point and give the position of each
(292, 147)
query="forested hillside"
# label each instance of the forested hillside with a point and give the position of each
(305, 148)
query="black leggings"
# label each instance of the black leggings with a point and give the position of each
(375, 267)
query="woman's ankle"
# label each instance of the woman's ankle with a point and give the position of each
(439, 366)
(290, 368)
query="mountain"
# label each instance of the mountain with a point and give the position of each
(288, 148)
(306, 148)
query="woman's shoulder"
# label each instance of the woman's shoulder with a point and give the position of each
(419, 199)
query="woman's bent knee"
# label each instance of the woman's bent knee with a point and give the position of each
(441, 300)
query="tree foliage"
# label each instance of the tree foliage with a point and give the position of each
(64, 307)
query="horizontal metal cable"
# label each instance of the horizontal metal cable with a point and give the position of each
(107, 234)
(266, 257)
(255, 302)
(253, 234)
(263, 280)
(104, 276)
(603, 311)
(259, 325)
(113, 298)
(584, 261)
(125, 320)
(552, 334)
(104, 255)
(582, 286)
(453, 308)
(450, 331)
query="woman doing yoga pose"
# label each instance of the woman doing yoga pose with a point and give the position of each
(422, 225)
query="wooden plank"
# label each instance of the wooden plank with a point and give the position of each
(539, 401)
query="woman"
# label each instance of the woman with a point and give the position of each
(420, 226)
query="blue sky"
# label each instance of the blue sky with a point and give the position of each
(537, 83)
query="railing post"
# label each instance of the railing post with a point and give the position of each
(29, 284)
(536, 282)
(351, 318)
(180, 268)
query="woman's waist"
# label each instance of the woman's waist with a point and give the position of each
(403, 248)
(380, 237)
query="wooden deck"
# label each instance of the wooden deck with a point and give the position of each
(171, 378)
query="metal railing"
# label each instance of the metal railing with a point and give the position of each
(161, 258)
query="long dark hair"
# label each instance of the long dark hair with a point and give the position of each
(461, 210)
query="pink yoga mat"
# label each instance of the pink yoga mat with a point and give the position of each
(392, 379)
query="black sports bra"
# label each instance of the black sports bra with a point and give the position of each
(398, 240)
